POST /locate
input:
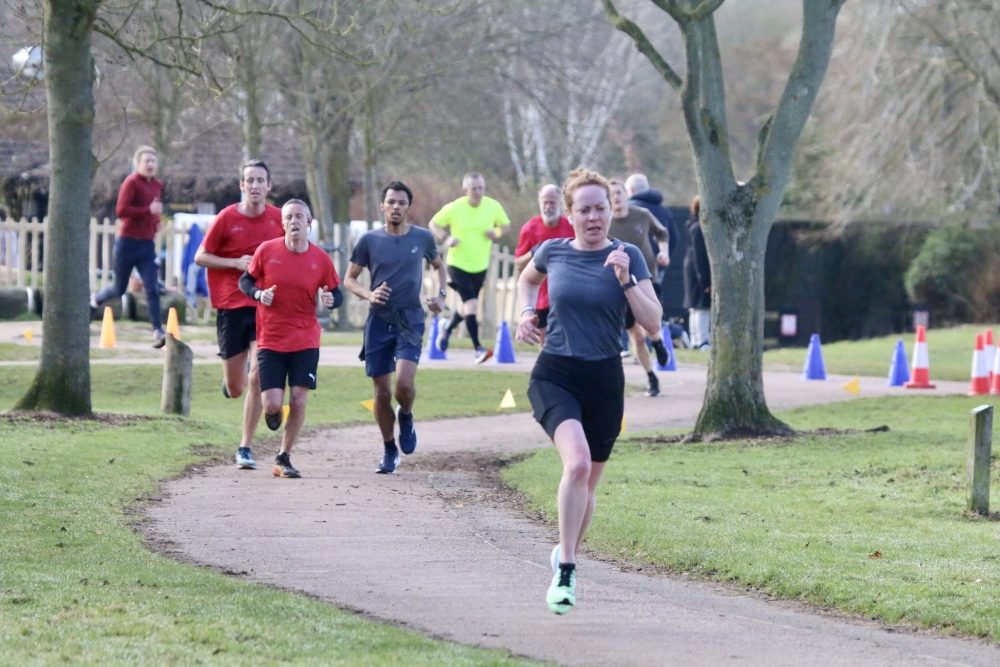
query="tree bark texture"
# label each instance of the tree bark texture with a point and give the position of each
(62, 383)
(178, 368)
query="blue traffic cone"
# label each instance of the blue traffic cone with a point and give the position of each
(814, 369)
(504, 347)
(668, 341)
(899, 370)
(432, 351)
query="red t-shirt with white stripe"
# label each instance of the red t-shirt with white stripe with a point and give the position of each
(234, 235)
(289, 324)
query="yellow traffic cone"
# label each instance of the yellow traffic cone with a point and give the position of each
(107, 330)
(854, 386)
(623, 425)
(284, 413)
(368, 404)
(173, 324)
(28, 335)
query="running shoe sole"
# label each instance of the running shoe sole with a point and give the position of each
(554, 559)
(484, 356)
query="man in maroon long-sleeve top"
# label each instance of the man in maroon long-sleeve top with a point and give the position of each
(139, 210)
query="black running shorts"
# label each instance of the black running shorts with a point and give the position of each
(235, 328)
(466, 284)
(591, 392)
(297, 368)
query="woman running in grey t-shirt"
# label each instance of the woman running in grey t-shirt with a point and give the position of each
(577, 386)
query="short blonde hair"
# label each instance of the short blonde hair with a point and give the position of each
(139, 153)
(580, 177)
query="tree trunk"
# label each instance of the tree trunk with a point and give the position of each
(62, 383)
(734, 403)
(178, 366)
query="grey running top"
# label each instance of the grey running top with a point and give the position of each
(587, 302)
(397, 260)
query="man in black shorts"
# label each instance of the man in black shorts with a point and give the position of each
(228, 247)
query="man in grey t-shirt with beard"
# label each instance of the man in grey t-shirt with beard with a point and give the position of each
(394, 257)
(634, 225)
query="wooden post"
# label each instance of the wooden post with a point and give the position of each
(178, 370)
(980, 446)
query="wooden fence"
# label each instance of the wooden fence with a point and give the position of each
(23, 253)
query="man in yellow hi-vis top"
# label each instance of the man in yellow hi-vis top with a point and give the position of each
(468, 227)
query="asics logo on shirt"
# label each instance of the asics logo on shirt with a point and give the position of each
(413, 250)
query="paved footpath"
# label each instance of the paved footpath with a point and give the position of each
(442, 548)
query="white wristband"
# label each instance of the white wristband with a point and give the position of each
(526, 309)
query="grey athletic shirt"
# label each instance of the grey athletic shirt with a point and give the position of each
(587, 302)
(397, 260)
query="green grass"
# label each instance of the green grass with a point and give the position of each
(867, 523)
(78, 585)
(950, 352)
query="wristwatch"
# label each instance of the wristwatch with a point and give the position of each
(442, 292)
(256, 295)
(630, 284)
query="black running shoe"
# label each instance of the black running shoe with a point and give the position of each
(225, 390)
(283, 467)
(273, 420)
(662, 356)
(654, 385)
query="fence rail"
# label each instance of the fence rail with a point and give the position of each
(23, 253)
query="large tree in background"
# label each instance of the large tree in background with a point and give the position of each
(141, 29)
(62, 383)
(737, 218)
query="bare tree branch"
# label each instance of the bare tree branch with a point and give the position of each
(642, 43)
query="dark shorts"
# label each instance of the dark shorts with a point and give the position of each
(235, 328)
(629, 317)
(591, 392)
(297, 368)
(466, 284)
(543, 317)
(386, 341)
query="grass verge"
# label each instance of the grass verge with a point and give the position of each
(77, 584)
(866, 523)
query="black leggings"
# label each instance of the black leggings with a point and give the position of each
(129, 254)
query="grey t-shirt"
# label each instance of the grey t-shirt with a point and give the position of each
(397, 260)
(635, 228)
(587, 311)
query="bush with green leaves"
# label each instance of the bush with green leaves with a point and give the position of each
(957, 274)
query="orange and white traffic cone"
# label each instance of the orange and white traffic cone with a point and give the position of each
(980, 383)
(921, 363)
(990, 349)
(995, 375)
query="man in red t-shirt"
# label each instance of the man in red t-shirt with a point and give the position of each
(226, 252)
(138, 208)
(284, 277)
(550, 224)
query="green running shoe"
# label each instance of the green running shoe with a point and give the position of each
(562, 591)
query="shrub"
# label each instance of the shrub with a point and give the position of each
(957, 274)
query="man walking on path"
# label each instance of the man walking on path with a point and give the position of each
(641, 195)
(468, 227)
(549, 224)
(139, 208)
(394, 256)
(284, 277)
(228, 247)
(634, 225)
